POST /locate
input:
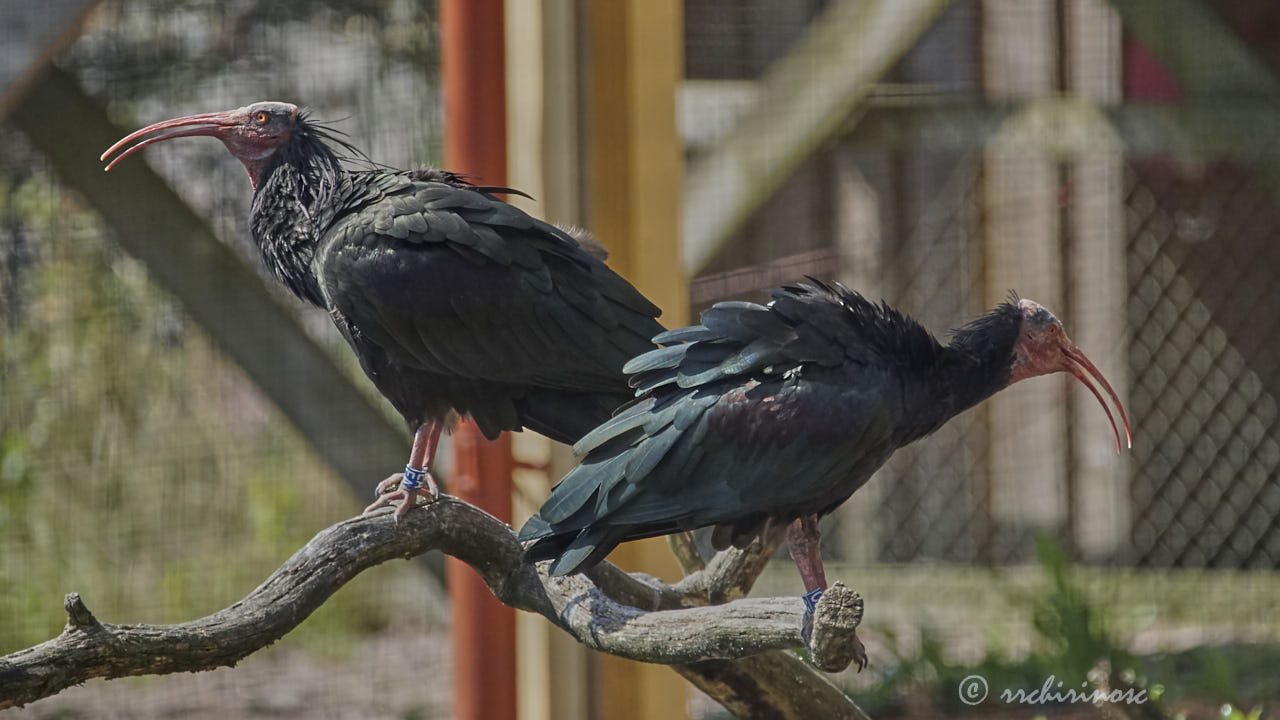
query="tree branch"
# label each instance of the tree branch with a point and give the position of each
(731, 573)
(631, 616)
(773, 684)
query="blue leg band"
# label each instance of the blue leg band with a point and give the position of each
(811, 599)
(413, 478)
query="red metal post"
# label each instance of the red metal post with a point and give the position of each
(473, 77)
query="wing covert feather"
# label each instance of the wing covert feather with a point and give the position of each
(452, 281)
(760, 411)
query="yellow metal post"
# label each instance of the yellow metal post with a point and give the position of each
(635, 167)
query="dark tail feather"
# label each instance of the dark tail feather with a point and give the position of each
(548, 548)
(579, 551)
(573, 552)
(585, 550)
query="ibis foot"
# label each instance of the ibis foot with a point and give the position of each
(391, 484)
(396, 488)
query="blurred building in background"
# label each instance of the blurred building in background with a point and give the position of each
(1115, 161)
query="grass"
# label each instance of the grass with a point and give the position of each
(138, 466)
(1069, 635)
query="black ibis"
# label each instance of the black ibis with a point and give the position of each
(775, 415)
(455, 302)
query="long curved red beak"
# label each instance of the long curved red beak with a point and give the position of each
(207, 124)
(1086, 372)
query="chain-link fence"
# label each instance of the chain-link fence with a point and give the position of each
(1166, 260)
(1203, 298)
(141, 468)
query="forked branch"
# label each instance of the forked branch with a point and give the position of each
(632, 616)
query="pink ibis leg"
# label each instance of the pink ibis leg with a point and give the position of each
(802, 540)
(416, 479)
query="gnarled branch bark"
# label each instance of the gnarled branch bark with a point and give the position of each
(631, 616)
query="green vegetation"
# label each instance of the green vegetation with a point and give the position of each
(137, 466)
(1073, 643)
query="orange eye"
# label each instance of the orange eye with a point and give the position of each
(261, 118)
(1053, 330)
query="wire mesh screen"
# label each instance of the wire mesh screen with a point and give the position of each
(1163, 268)
(1202, 268)
(139, 466)
(1008, 144)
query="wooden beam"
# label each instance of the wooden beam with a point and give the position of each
(544, 149)
(806, 98)
(1195, 130)
(1200, 129)
(635, 165)
(1194, 43)
(1182, 33)
(1022, 251)
(636, 160)
(34, 35)
(220, 292)
(1097, 285)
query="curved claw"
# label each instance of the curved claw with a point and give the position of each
(391, 484)
(407, 500)
(391, 490)
(384, 500)
(432, 489)
(860, 654)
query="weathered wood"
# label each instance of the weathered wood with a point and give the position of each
(1101, 512)
(35, 34)
(829, 633)
(1222, 128)
(1022, 250)
(731, 574)
(685, 636)
(771, 685)
(805, 99)
(1183, 33)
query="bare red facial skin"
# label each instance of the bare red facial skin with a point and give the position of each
(1043, 347)
(251, 133)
